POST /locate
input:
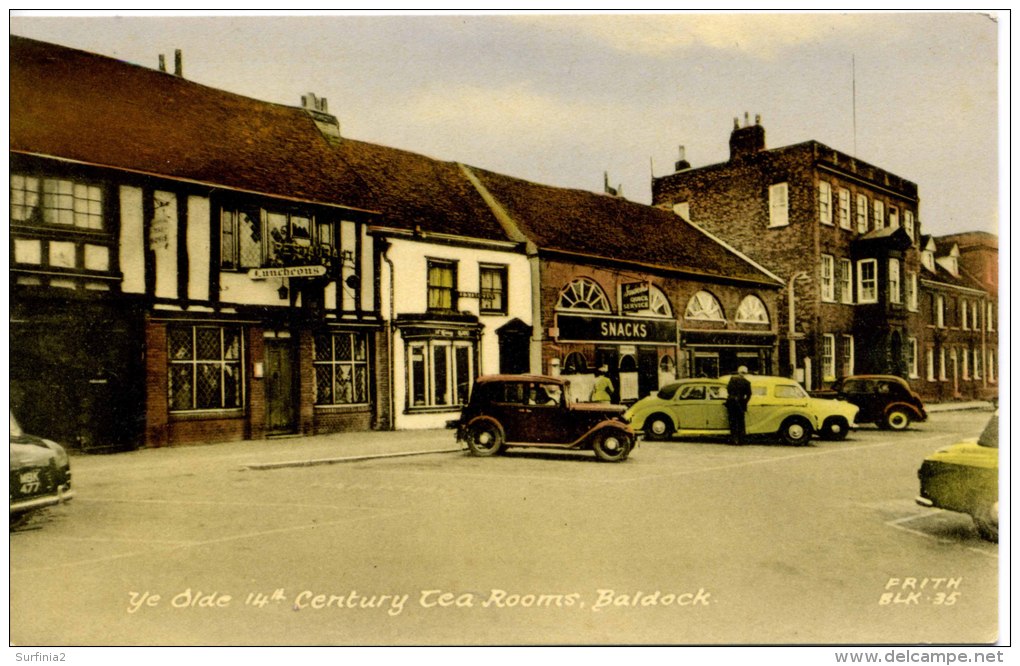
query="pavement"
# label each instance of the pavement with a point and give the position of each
(335, 448)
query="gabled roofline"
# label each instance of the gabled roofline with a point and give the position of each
(735, 251)
(201, 183)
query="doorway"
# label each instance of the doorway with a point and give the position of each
(281, 387)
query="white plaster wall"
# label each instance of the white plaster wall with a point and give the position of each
(132, 242)
(163, 242)
(198, 248)
(410, 296)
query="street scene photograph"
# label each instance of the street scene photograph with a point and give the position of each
(650, 330)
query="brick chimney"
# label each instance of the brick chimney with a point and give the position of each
(747, 140)
(318, 109)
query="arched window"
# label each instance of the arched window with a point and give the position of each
(628, 363)
(752, 311)
(666, 363)
(583, 294)
(575, 363)
(704, 305)
(658, 304)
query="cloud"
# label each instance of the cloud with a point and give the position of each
(659, 35)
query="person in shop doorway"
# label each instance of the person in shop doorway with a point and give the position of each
(738, 393)
(603, 389)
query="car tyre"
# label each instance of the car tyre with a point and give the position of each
(986, 520)
(835, 429)
(484, 438)
(612, 445)
(658, 428)
(795, 431)
(896, 419)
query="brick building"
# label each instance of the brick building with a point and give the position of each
(634, 288)
(841, 233)
(956, 353)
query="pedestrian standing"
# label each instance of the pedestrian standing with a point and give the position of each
(603, 389)
(738, 393)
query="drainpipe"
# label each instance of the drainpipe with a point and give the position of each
(389, 335)
(791, 317)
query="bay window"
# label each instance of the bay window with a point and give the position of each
(439, 373)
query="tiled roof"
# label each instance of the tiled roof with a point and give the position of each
(412, 190)
(598, 225)
(81, 106)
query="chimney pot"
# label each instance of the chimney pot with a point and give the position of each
(178, 63)
(162, 62)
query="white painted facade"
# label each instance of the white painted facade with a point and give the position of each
(404, 290)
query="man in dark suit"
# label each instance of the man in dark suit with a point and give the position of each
(738, 393)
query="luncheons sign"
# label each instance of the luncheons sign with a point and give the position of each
(286, 272)
(590, 328)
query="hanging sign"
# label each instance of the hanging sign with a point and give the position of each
(635, 296)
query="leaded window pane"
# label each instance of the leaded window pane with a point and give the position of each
(324, 384)
(181, 387)
(181, 343)
(207, 386)
(207, 343)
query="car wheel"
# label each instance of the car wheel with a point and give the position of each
(612, 445)
(484, 439)
(658, 427)
(835, 429)
(795, 431)
(896, 419)
(986, 520)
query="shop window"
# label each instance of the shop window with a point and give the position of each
(583, 294)
(575, 363)
(439, 373)
(341, 369)
(704, 305)
(205, 367)
(442, 284)
(492, 289)
(752, 311)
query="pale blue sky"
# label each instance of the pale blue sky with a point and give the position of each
(560, 99)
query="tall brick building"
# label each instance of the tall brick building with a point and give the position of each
(843, 234)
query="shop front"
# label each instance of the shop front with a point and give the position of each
(639, 353)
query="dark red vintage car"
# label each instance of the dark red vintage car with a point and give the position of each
(538, 411)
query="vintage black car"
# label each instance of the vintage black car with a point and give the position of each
(885, 400)
(538, 411)
(40, 473)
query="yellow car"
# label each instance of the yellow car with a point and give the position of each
(778, 406)
(964, 478)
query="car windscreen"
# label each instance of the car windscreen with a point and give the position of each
(668, 391)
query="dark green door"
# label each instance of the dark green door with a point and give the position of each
(281, 401)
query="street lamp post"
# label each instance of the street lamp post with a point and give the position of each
(792, 334)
